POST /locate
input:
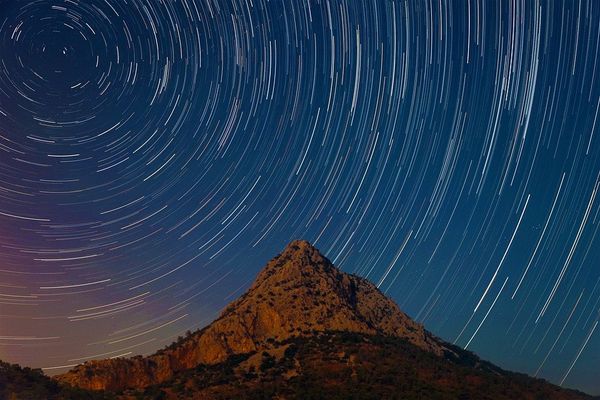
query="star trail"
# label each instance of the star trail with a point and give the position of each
(155, 154)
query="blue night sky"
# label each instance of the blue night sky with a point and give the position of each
(154, 155)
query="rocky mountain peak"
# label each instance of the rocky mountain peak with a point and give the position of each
(297, 258)
(299, 262)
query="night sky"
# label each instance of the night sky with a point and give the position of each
(155, 154)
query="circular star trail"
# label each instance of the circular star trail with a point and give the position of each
(155, 154)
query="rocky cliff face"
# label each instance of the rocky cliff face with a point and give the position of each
(298, 293)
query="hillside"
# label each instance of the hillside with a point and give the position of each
(344, 365)
(17, 383)
(297, 293)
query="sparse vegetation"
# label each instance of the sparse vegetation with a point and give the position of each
(17, 383)
(345, 365)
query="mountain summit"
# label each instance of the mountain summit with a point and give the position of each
(298, 293)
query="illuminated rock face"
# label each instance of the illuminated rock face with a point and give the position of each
(298, 293)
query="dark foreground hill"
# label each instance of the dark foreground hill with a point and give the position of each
(31, 384)
(304, 330)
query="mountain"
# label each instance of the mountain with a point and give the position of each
(298, 293)
(304, 330)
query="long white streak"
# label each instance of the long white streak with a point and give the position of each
(24, 218)
(59, 367)
(74, 286)
(580, 351)
(166, 273)
(504, 255)
(559, 335)
(112, 304)
(541, 237)
(487, 313)
(571, 252)
(149, 330)
(395, 259)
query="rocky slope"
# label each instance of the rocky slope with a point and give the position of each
(297, 294)
(321, 366)
(345, 365)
